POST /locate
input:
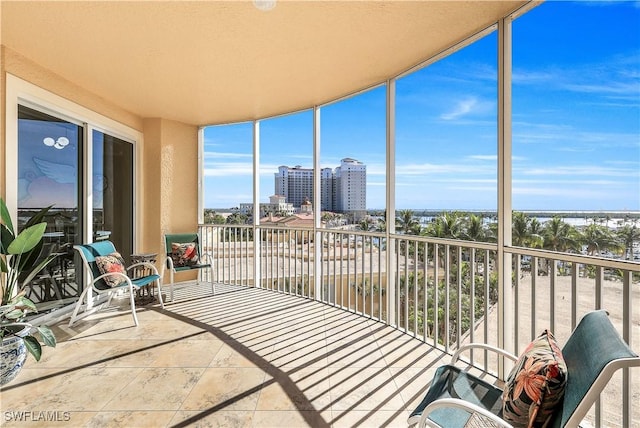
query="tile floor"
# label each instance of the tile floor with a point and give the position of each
(242, 358)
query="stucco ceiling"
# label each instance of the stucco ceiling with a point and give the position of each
(209, 62)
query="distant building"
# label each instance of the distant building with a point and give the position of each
(277, 205)
(306, 207)
(296, 184)
(342, 190)
(351, 188)
(295, 220)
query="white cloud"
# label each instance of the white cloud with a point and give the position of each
(462, 108)
(575, 193)
(584, 170)
(225, 169)
(484, 157)
(226, 155)
(428, 169)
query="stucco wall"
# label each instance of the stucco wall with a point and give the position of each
(171, 181)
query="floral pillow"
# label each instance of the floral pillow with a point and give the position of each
(184, 254)
(535, 386)
(111, 263)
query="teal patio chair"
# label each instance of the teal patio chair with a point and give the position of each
(183, 253)
(115, 279)
(593, 353)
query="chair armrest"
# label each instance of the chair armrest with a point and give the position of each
(104, 275)
(460, 404)
(169, 263)
(484, 346)
(207, 258)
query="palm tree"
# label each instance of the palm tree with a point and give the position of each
(365, 224)
(598, 238)
(628, 235)
(475, 229)
(536, 233)
(520, 233)
(559, 235)
(406, 222)
(449, 225)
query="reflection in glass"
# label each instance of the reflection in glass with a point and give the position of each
(112, 190)
(49, 153)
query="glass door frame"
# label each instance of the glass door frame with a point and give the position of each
(19, 91)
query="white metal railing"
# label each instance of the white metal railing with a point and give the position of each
(443, 292)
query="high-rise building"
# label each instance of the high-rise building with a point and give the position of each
(342, 190)
(295, 184)
(351, 187)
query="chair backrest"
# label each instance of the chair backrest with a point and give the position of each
(89, 252)
(593, 353)
(181, 238)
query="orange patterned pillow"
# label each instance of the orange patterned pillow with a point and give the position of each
(535, 386)
(184, 254)
(109, 264)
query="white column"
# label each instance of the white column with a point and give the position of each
(503, 259)
(391, 201)
(317, 211)
(257, 275)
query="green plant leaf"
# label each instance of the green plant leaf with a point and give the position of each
(29, 259)
(14, 314)
(37, 269)
(48, 337)
(6, 238)
(23, 302)
(38, 217)
(3, 266)
(27, 239)
(33, 346)
(4, 215)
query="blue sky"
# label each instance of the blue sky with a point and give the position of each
(576, 123)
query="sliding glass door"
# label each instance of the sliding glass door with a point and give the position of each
(52, 173)
(50, 151)
(112, 190)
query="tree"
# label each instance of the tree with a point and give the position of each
(520, 229)
(627, 236)
(366, 224)
(598, 238)
(237, 218)
(536, 239)
(212, 217)
(474, 228)
(559, 235)
(407, 222)
(381, 225)
(447, 225)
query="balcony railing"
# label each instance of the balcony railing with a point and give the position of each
(443, 292)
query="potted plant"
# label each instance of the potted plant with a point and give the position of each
(20, 262)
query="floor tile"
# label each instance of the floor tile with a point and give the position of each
(226, 388)
(217, 419)
(158, 388)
